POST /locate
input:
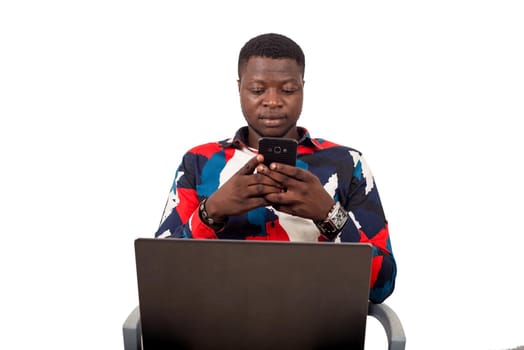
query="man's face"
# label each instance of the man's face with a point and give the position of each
(271, 95)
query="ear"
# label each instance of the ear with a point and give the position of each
(238, 83)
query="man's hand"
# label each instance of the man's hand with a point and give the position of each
(302, 195)
(244, 191)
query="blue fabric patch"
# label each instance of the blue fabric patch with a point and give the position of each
(210, 177)
(358, 170)
(302, 165)
(258, 217)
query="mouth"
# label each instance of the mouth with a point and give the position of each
(272, 120)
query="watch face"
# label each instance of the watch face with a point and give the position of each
(334, 223)
(340, 218)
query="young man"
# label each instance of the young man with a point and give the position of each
(223, 190)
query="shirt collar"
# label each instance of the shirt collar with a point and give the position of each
(240, 139)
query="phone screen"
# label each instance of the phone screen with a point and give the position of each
(278, 150)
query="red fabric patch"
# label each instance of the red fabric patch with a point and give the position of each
(201, 230)
(275, 232)
(190, 202)
(207, 150)
(380, 239)
(305, 150)
(322, 239)
(229, 152)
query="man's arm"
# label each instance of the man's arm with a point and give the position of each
(369, 225)
(243, 191)
(306, 197)
(180, 216)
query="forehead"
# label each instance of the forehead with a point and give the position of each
(264, 68)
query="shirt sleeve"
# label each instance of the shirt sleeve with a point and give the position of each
(368, 224)
(180, 218)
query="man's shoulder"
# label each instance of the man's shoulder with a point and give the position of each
(207, 149)
(324, 144)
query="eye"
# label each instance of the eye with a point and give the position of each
(289, 88)
(289, 91)
(256, 90)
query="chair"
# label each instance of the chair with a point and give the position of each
(383, 313)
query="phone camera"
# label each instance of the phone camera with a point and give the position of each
(277, 149)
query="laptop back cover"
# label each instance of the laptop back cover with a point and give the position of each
(222, 294)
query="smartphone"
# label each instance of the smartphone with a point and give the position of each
(278, 150)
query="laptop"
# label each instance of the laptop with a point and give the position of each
(233, 294)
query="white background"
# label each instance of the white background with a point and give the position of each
(99, 99)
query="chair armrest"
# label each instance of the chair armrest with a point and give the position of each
(391, 323)
(133, 331)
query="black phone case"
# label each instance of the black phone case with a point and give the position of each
(278, 150)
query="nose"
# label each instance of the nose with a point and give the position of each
(272, 99)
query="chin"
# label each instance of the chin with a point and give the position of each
(263, 131)
(280, 131)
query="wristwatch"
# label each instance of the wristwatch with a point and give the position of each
(206, 219)
(331, 226)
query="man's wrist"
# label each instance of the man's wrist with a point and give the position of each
(334, 222)
(215, 224)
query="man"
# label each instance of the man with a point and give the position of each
(223, 190)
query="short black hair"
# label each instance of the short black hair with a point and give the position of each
(271, 45)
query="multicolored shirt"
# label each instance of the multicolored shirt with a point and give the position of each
(342, 171)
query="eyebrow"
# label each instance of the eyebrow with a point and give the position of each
(261, 81)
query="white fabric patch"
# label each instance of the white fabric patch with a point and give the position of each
(239, 159)
(164, 234)
(172, 199)
(298, 229)
(355, 221)
(305, 230)
(331, 185)
(366, 171)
